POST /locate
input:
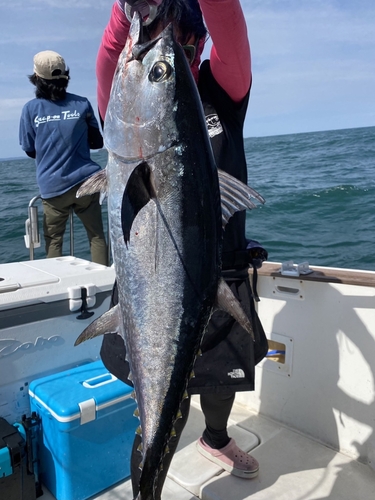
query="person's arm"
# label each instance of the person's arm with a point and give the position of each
(230, 54)
(27, 134)
(95, 138)
(230, 58)
(113, 41)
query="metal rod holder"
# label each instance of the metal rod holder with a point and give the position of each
(32, 236)
(71, 232)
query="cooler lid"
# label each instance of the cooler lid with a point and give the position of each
(20, 275)
(51, 280)
(79, 393)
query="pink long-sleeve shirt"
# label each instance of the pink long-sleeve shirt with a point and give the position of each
(230, 58)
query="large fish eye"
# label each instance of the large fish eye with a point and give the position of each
(160, 71)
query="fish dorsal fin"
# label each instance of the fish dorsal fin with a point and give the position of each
(137, 194)
(230, 304)
(235, 196)
(107, 323)
(94, 184)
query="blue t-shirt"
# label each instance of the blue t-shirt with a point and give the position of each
(58, 132)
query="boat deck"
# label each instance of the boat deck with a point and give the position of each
(323, 385)
(292, 466)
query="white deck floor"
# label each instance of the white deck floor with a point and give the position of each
(292, 467)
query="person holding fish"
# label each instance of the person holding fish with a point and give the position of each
(229, 354)
(58, 129)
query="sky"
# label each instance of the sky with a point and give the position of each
(313, 61)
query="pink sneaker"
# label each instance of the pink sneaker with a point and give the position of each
(231, 458)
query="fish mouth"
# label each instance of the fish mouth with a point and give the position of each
(142, 157)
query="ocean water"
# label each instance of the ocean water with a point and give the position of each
(319, 189)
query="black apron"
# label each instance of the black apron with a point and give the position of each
(229, 354)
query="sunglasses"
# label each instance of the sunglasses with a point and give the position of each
(190, 52)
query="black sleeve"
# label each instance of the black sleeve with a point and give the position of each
(31, 154)
(95, 138)
(101, 120)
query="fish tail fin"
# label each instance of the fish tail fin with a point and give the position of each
(148, 483)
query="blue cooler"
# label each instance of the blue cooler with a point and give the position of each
(87, 430)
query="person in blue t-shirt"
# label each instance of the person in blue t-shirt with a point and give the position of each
(58, 129)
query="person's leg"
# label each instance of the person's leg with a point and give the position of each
(216, 409)
(56, 213)
(216, 445)
(89, 211)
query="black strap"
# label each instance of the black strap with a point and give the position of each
(255, 281)
(241, 274)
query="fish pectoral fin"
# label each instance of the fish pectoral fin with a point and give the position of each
(138, 192)
(108, 322)
(235, 196)
(227, 301)
(94, 184)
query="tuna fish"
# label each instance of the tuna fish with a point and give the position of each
(167, 205)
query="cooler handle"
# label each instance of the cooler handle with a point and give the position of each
(93, 383)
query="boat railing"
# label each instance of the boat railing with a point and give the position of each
(32, 235)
